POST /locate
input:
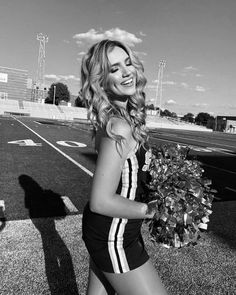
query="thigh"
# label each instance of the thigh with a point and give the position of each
(97, 282)
(140, 281)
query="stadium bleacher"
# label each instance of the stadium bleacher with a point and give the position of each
(49, 111)
(39, 110)
(166, 122)
(10, 106)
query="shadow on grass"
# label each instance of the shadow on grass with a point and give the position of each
(2, 216)
(221, 170)
(91, 156)
(223, 222)
(2, 223)
(58, 262)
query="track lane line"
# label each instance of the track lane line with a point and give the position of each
(58, 150)
(218, 168)
(230, 189)
(209, 147)
(201, 141)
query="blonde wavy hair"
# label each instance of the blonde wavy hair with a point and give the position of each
(94, 72)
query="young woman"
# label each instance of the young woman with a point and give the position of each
(112, 86)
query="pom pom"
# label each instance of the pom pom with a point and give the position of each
(183, 196)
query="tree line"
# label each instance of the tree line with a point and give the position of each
(58, 92)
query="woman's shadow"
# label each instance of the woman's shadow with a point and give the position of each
(45, 206)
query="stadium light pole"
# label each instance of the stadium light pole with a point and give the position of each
(43, 39)
(216, 123)
(54, 94)
(162, 65)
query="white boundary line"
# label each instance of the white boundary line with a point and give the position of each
(200, 141)
(69, 205)
(221, 169)
(230, 189)
(58, 150)
(211, 149)
(37, 122)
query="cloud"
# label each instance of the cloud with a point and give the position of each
(142, 34)
(51, 77)
(200, 105)
(190, 68)
(184, 85)
(200, 88)
(169, 83)
(61, 77)
(165, 82)
(115, 33)
(80, 55)
(179, 74)
(141, 53)
(152, 86)
(170, 102)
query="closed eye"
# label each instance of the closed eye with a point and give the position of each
(113, 70)
(128, 62)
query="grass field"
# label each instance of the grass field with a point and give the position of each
(41, 247)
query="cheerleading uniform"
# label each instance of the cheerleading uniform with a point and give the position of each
(115, 244)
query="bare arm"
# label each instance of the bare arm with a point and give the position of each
(104, 199)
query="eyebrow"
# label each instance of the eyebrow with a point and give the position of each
(117, 63)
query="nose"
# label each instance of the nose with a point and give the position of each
(126, 72)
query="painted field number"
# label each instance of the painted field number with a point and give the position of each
(25, 142)
(30, 142)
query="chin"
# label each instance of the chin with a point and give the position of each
(129, 92)
(122, 95)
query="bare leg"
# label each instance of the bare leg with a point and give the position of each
(140, 281)
(97, 282)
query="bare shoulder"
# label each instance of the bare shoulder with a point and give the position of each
(120, 127)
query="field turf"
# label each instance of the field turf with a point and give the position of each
(46, 174)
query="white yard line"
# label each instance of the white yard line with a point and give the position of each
(2, 205)
(58, 150)
(69, 205)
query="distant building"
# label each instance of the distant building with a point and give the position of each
(13, 83)
(226, 123)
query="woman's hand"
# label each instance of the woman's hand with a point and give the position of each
(152, 208)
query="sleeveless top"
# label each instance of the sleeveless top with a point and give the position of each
(109, 238)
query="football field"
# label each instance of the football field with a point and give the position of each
(46, 173)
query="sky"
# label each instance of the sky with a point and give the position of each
(195, 38)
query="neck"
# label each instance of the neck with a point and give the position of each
(120, 104)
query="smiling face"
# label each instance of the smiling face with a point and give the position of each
(121, 79)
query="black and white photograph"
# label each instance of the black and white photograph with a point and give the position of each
(117, 147)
